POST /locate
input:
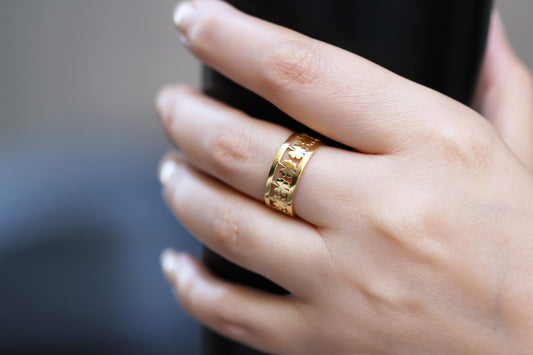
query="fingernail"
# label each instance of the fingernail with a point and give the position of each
(168, 167)
(182, 15)
(170, 264)
(164, 103)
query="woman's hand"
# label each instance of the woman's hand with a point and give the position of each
(419, 241)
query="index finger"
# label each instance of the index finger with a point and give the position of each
(332, 91)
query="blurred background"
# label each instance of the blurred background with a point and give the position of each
(82, 221)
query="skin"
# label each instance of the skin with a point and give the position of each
(419, 241)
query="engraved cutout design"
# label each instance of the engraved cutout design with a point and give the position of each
(289, 168)
(286, 170)
(282, 187)
(307, 141)
(298, 153)
(279, 206)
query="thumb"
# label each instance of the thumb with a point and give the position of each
(505, 93)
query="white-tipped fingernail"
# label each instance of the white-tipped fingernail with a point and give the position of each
(182, 15)
(170, 265)
(168, 167)
(164, 103)
(168, 260)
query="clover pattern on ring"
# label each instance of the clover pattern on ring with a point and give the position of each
(282, 187)
(289, 168)
(288, 173)
(298, 153)
(279, 205)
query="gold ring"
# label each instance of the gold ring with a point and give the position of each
(286, 170)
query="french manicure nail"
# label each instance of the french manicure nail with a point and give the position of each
(170, 265)
(168, 167)
(183, 14)
(164, 103)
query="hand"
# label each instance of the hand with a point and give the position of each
(417, 242)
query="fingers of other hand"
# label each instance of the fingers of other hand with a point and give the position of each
(263, 321)
(242, 230)
(334, 92)
(505, 93)
(239, 150)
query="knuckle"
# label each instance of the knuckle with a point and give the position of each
(225, 227)
(290, 63)
(230, 146)
(410, 222)
(227, 230)
(472, 147)
(230, 234)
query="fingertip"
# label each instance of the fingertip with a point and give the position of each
(170, 263)
(164, 103)
(183, 13)
(177, 266)
(168, 259)
(168, 166)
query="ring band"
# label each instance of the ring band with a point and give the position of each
(286, 170)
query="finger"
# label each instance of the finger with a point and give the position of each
(334, 92)
(242, 230)
(266, 322)
(239, 150)
(505, 93)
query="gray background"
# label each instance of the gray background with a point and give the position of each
(79, 144)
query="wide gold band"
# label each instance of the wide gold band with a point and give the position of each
(286, 170)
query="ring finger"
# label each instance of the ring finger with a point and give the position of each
(239, 150)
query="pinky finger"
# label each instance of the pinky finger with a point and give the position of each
(505, 93)
(263, 321)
